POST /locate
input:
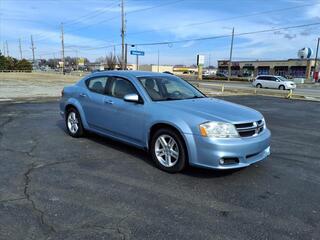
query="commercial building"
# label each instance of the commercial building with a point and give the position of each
(156, 68)
(296, 68)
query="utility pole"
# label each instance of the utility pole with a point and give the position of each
(62, 46)
(122, 34)
(32, 48)
(316, 62)
(4, 49)
(7, 48)
(230, 58)
(158, 60)
(20, 49)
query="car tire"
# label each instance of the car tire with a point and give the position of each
(259, 85)
(282, 87)
(74, 123)
(168, 150)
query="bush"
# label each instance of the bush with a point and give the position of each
(10, 63)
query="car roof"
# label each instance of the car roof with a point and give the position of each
(128, 73)
(268, 76)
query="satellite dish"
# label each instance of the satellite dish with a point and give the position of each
(305, 53)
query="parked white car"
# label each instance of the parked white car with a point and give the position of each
(270, 81)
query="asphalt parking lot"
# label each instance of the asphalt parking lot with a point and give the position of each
(55, 187)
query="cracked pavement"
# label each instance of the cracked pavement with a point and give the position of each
(53, 186)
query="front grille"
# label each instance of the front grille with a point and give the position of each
(250, 129)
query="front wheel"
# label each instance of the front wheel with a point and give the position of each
(73, 123)
(168, 150)
(281, 87)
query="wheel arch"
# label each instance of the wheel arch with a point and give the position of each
(164, 125)
(73, 103)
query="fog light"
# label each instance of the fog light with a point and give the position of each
(228, 160)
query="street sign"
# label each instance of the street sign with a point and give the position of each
(200, 60)
(137, 53)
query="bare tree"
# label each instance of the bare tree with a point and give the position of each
(121, 63)
(111, 61)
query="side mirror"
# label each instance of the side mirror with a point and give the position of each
(133, 97)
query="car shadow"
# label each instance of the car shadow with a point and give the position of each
(144, 155)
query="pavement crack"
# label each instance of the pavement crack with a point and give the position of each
(28, 198)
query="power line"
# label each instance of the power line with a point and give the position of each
(130, 12)
(225, 19)
(43, 36)
(227, 35)
(90, 14)
(153, 7)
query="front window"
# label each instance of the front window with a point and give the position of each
(121, 87)
(164, 88)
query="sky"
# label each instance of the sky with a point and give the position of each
(92, 28)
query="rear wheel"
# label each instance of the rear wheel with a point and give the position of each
(73, 123)
(281, 87)
(168, 150)
(259, 85)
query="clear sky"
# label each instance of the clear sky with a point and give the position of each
(96, 23)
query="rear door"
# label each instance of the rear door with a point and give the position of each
(92, 100)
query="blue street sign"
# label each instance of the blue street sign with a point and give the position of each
(138, 53)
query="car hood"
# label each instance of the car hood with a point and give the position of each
(289, 82)
(211, 109)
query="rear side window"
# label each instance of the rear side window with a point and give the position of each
(261, 78)
(121, 87)
(97, 84)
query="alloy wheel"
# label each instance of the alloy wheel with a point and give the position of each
(73, 123)
(166, 150)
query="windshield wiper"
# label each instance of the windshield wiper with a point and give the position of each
(195, 97)
(169, 99)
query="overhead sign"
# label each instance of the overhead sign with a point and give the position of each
(200, 60)
(137, 53)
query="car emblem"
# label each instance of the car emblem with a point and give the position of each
(255, 125)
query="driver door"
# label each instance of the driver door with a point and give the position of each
(125, 120)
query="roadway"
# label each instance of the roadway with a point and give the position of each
(312, 91)
(55, 187)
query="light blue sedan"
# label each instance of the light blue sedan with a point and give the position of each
(168, 117)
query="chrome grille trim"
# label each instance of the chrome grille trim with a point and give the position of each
(250, 129)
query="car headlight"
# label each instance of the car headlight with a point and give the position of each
(218, 130)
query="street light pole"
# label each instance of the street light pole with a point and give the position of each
(230, 58)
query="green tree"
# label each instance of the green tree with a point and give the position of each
(24, 65)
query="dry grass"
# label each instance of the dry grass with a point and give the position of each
(26, 85)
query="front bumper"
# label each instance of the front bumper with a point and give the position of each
(207, 152)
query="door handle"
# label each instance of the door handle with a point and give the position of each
(83, 95)
(107, 101)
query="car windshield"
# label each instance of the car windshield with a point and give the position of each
(165, 88)
(283, 78)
